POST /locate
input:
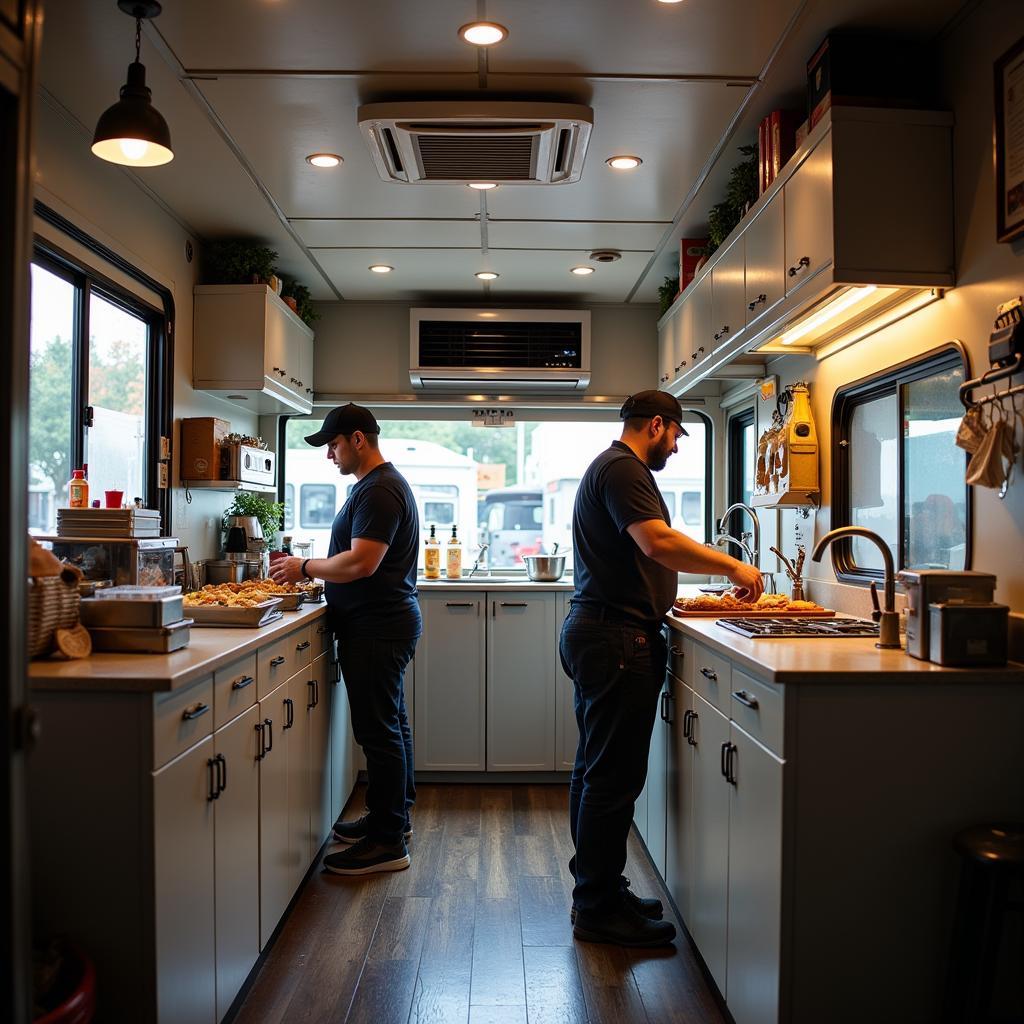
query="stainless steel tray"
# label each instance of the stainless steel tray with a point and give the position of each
(223, 615)
(289, 602)
(271, 616)
(136, 614)
(149, 640)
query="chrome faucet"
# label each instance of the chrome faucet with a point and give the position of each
(887, 617)
(741, 543)
(723, 523)
(479, 559)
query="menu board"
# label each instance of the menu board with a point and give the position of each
(1009, 117)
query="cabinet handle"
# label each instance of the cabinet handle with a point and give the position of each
(194, 711)
(804, 261)
(309, 391)
(692, 739)
(242, 682)
(709, 673)
(294, 381)
(677, 651)
(730, 763)
(664, 379)
(278, 661)
(222, 773)
(311, 683)
(211, 770)
(259, 729)
(698, 352)
(670, 716)
(304, 646)
(745, 699)
(270, 732)
(662, 703)
(722, 761)
(289, 718)
(762, 298)
(515, 604)
(459, 604)
(320, 630)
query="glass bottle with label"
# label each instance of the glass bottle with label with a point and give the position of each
(454, 559)
(78, 490)
(432, 557)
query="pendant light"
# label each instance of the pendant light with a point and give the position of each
(133, 132)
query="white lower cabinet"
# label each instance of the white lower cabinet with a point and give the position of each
(319, 711)
(657, 783)
(276, 866)
(295, 742)
(521, 682)
(679, 799)
(342, 743)
(183, 825)
(567, 734)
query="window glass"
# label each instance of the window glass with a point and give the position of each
(316, 508)
(289, 506)
(742, 457)
(669, 498)
(50, 397)
(873, 477)
(512, 488)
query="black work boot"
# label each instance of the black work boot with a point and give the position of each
(646, 906)
(367, 857)
(622, 926)
(353, 831)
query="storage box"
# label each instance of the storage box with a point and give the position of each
(968, 635)
(201, 440)
(691, 252)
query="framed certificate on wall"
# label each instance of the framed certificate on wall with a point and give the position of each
(1009, 143)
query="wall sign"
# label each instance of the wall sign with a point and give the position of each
(1009, 143)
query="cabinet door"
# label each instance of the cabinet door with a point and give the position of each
(521, 682)
(755, 882)
(665, 353)
(303, 362)
(567, 735)
(710, 795)
(700, 341)
(342, 743)
(679, 826)
(297, 742)
(808, 216)
(657, 782)
(183, 830)
(728, 295)
(277, 866)
(450, 665)
(320, 820)
(237, 855)
(766, 259)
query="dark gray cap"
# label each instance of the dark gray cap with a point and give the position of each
(345, 419)
(648, 404)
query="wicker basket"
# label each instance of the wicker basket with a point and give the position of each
(52, 605)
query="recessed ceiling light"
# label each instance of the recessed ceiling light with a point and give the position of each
(625, 162)
(581, 271)
(670, 1)
(483, 33)
(324, 159)
(482, 186)
(486, 275)
(380, 268)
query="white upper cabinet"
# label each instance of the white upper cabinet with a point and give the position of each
(765, 280)
(248, 343)
(808, 219)
(728, 295)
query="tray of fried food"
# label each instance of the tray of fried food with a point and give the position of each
(313, 589)
(766, 606)
(228, 604)
(291, 594)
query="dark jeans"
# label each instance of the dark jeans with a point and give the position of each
(374, 672)
(618, 671)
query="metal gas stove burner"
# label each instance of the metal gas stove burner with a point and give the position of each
(800, 627)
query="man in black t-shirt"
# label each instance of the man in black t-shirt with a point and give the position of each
(370, 584)
(627, 558)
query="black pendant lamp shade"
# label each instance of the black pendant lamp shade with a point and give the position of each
(133, 132)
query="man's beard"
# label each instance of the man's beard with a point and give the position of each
(657, 459)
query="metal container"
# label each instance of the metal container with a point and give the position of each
(933, 586)
(149, 640)
(135, 561)
(136, 614)
(968, 635)
(224, 571)
(544, 568)
(251, 465)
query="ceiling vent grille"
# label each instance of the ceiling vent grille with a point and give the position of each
(460, 142)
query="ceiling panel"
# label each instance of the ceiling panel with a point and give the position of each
(422, 274)
(341, 233)
(583, 235)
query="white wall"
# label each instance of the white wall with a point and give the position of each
(109, 205)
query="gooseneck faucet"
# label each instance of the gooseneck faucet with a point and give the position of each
(887, 617)
(723, 523)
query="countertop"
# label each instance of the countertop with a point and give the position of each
(483, 583)
(208, 649)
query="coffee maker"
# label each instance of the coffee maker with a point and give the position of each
(245, 543)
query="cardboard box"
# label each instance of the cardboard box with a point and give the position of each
(691, 252)
(201, 439)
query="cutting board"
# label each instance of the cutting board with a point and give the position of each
(733, 613)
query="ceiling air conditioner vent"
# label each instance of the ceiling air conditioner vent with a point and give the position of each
(459, 142)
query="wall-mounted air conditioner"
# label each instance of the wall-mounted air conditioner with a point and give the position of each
(499, 351)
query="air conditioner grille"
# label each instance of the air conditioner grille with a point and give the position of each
(500, 345)
(449, 157)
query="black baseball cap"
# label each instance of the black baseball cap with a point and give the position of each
(345, 419)
(648, 404)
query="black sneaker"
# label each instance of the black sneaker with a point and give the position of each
(622, 927)
(353, 831)
(367, 857)
(646, 906)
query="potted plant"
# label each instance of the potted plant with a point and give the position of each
(268, 513)
(235, 261)
(298, 298)
(740, 193)
(667, 293)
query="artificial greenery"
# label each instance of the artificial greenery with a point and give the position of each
(235, 261)
(267, 513)
(740, 192)
(303, 300)
(667, 293)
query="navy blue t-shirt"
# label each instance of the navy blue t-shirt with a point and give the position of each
(611, 572)
(380, 507)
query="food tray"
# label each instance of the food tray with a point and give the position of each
(272, 616)
(223, 615)
(135, 613)
(767, 613)
(158, 640)
(289, 602)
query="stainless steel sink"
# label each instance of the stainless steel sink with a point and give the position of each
(478, 581)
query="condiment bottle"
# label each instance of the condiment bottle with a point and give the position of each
(78, 490)
(432, 557)
(454, 560)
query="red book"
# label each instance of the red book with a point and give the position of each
(762, 156)
(783, 126)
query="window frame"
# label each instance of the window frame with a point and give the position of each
(845, 401)
(735, 426)
(160, 350)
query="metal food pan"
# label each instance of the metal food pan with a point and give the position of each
(149, 640)
(135, 614)
(223, 615)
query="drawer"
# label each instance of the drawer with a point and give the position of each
(302, 642)
(234, 690)
(711, 676)
(676, 653)
(322, 636)
(281, 660)
(758, 709)
(181, 719)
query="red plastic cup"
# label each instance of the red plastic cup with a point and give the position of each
(113, 499)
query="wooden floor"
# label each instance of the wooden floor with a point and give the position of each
(476, 931)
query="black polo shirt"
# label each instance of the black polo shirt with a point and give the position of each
(380, 507)
(611, 572)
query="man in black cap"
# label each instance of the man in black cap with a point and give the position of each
(627, 557)
(370, 584)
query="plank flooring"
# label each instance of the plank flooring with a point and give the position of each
(476, 931)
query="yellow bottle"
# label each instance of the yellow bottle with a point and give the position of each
(432, 557)
(454, 560)
(78, 490)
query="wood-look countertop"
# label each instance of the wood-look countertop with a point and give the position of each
(208, 649)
